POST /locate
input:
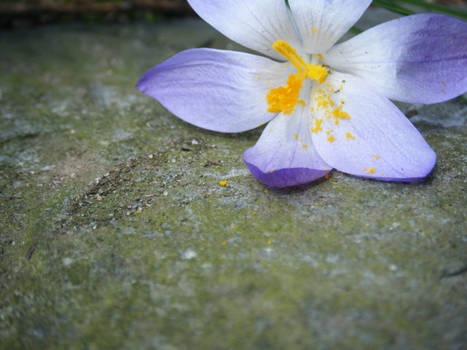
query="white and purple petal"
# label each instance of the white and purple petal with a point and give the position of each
(417, 59)
(284, 155)
(254, 24)
(377, 141)
(217, 90)
(322, 23)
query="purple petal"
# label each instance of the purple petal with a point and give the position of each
(365, 134)
(322, 22)
(417, 59)
(216, 90)
(255, 24)
(284, 155)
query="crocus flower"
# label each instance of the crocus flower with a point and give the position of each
(327, 104)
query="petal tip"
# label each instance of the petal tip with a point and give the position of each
(289, 177)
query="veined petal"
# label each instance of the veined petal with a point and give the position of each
(322, 22)
(284, 155)
(417, 59)
(216, 90)
(255, 24)
(365, 134)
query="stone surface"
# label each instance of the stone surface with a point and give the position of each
(115, 232)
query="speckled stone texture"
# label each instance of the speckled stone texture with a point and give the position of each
(115, 232)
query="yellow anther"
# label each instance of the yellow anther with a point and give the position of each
(284, 48)
(316, 72)
(285, 98)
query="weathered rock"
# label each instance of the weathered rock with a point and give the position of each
(116, 234)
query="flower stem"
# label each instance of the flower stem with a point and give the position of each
(391, 6)
(437, 8)
(394, 6)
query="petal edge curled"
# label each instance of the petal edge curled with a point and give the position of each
(284, 155)
(417, 59)
(217, 90)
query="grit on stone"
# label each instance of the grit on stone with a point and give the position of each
(115, 232)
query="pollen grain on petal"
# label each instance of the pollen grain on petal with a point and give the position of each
(338, 114)
(331, 138)
(376, 156)
(349, 136)
(223, 183)
(318, 127)
(371, 171)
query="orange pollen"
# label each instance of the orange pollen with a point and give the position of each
(285, 98)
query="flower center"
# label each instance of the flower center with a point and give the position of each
(285, 98)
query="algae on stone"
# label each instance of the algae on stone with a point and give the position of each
(116, 234)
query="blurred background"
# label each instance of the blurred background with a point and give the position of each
(27, 13)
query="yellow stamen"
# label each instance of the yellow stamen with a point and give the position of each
(285, 98)
(284, 48)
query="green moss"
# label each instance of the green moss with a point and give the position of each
(116, 233)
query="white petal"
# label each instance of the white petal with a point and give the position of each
(322, 22)
(256, 24)
(376, 140)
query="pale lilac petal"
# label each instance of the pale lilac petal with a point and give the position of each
(284, 155)
(374, 139)
(417, 59)
(255, 24)
(322, 22)
(216, 90)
